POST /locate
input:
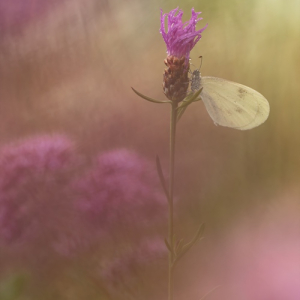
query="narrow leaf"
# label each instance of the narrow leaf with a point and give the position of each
(150, 99)
(179, 247)
(199, 232)
(161, 177)
(180, 113)
(186, 102)
(207, 294)
(190, 99)
(168, 246)
(187, 246)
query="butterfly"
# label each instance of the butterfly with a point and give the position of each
(229, 103)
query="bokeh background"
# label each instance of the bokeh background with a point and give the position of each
(66, 72)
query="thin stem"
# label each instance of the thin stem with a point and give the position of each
(171, 192)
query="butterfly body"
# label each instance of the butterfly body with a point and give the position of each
(195, 81)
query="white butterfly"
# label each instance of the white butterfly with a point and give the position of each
(229, 103)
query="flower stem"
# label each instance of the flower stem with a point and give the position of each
(171, 192)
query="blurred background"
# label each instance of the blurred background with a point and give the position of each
(71, 125)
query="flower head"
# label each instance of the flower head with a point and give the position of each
(181, 37)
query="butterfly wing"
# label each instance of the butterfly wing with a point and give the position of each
(232, 104)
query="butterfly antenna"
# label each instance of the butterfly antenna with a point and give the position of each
(201, 57)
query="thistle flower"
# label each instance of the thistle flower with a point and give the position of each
(180, 39)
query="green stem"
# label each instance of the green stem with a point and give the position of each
(171, 192)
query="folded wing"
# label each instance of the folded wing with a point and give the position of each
(232, 104)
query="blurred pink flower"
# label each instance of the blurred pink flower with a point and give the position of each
(258, 258)
(263, 254)
(180, 38)
(141, 266)
(15, 15)
(121, 189)
(33, 176)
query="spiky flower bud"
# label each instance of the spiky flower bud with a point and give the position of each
(175, 79)
(180, 39)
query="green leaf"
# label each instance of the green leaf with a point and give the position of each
(168, 246)
(150, 99)
(179, 246)
(207, 294)
(161, 177)
(186, 102)
(187, 246)
(190, 99)
(180, 113)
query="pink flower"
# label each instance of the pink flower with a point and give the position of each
(33, 175)
(257, 258)
(137, 269)
(121, 190)
(180, 38)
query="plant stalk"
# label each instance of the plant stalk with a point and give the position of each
(171, 192)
